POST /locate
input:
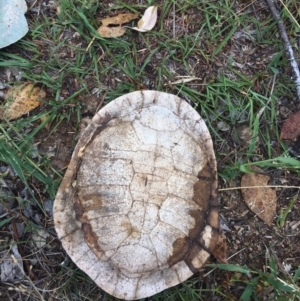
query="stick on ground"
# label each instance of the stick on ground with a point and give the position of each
(287, 45)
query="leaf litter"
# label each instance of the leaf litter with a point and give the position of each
(11, 265)
(291, 127)
(260, 199)
(20, 100)
(148, 21)
(119, 19)
(111, 32)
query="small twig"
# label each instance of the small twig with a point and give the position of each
(260, 112)
(21, 251)
(101, 56)
(32, 5)
(100, 102)
(287, 45)
(260, 186)
(209, 272)
(174, 18)
(290, 13)
(90, 44)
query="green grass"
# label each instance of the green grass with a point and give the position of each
(284, 212)
(283, 287)
(55, 55)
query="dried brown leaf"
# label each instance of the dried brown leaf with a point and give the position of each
(119, 19)
(260, 200)
(111, 32)
(291, 127)
(21, 100)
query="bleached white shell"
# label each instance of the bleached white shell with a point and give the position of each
(137, 208)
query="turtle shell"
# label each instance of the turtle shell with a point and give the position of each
(137, 209)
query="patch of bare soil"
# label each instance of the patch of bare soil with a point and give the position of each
(250, 241)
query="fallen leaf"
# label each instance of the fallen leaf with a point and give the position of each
(242, 135)
(148, 20)
(119, 19)
(145, 24)
(11, 265)
(291, 127)
(21, 100)
(106, 31)
(111, 32)
(40, 238)
(223, 126)
(260, 200)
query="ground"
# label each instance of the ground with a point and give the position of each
(234, 51)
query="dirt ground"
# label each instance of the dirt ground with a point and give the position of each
(250, 241)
